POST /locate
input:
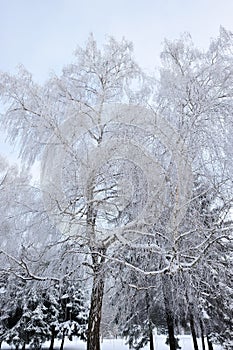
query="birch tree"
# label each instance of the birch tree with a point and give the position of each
(195, 94)
(94, 79)
(114, 173)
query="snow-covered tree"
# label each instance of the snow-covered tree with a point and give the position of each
(73, 313)
(117, 176)
(85, 86)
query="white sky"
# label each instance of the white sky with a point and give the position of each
(42, 34)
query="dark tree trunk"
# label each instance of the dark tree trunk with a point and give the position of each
(24, 346)
(151, 340)
(210, 345)
(94, 319)
(193, 331)
(171, 331)
(150, 331)
(52, 338)
(202, 335)
(62, 340)
(167, 296)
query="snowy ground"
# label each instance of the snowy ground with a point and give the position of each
(119, 344)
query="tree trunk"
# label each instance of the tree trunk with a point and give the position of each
(171, 331)
(151, 340)
(150, 332)
(52, 338)
(210, 345)
(94, 319)
(167, 296)
(202, 335)
(62, 340)
(193, 331)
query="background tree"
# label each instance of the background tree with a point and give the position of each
(195, 94)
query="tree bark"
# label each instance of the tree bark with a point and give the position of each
(94, 320)
(210, 345)
(62, 340)
(52, 338)
(202, 335)
(151, 340)
(171, 332)
(193, 331)
(167, 296)
(150, 332)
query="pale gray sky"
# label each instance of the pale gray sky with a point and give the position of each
(42, 34)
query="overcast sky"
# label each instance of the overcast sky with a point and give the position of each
(42, 34)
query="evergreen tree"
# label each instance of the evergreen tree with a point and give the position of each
(73, 315)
